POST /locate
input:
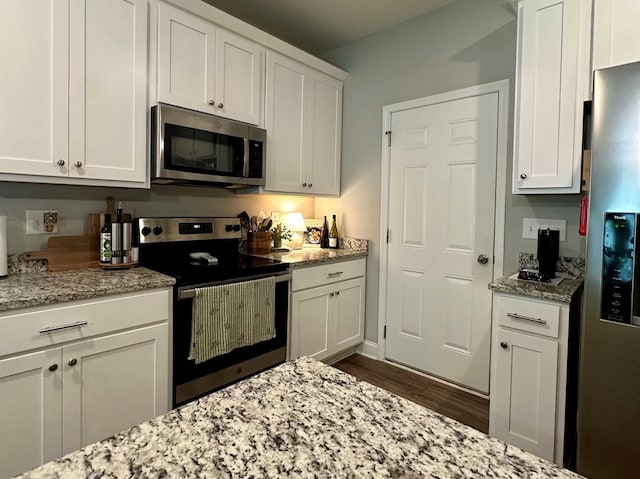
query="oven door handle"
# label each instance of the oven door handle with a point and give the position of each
(190, 292)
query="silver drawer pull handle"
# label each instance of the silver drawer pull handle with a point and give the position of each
(337, 273)
(52, 329)
(519, 317)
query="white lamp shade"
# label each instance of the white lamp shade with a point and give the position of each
(295, 222)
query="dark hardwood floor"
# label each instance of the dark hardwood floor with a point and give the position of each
(459, 405)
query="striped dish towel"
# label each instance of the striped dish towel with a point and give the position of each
(230, 316)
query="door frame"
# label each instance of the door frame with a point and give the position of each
(500, 87)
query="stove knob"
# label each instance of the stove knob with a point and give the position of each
(236, 227)
(228, 228)
(146, 231)
(157, 230)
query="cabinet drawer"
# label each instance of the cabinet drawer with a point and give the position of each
(530, 316)
(327, 274)
(77, 320)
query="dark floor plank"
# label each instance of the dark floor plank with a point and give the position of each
(459, 405)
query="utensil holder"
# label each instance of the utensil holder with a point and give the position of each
(258, 242)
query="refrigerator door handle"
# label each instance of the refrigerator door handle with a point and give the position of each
(520, 317)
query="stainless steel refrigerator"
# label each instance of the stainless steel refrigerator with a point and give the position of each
(609, 390)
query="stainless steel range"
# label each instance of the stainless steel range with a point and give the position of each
(202, 253)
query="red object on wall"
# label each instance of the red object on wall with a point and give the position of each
(584, 212)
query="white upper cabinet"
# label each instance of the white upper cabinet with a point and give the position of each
(206, 68)
(616, 38)
(304, 124)
(552, 76)
(74, 94)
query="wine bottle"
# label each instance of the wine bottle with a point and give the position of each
(333, 234)
(105, 240)
(324, 234)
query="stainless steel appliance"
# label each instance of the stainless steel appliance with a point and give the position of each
(189, 147)
(201, 252)
(609, 396)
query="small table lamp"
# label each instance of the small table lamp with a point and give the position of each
(295, 222)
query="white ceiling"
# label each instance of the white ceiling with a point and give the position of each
(318, 26)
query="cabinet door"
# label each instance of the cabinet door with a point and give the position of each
(348, 315)
(311, 331)
(549, 96)
(113, 383)
(238, 78)
(523, 402)
(34, 95)
(30, 411)
(616, 39)
(286, 106)
(186, 59)
(108, 78)
(324, 134)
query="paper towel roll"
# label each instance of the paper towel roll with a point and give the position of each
(3, 246)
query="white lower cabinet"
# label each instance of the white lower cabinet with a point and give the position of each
(327, 313)
(528, 374)
(74, 393)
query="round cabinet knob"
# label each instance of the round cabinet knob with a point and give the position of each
(53, 367)
(331, 294)
(220, 105)
(523, 176)
(310, 185)
(73, 362)
(211, 102)
(337, 293)
(146, 231)
(483, 259)
(157, 230)
(61, 162)
(504, 345)
(78, 164)
(304, 184)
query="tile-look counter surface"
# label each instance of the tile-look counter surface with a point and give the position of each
(301, 419)
(26, 290)
(562, 292)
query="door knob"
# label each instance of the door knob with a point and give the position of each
(483, 259)
(53, 367)
(504, 345)
(73, 362)
(523, 176)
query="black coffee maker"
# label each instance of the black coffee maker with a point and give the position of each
(548, 247)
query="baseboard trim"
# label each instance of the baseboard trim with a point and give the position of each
(368, 349)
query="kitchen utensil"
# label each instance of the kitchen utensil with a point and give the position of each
(261, 217)
(266, 225)
(68, 252)
(254, 223)
(244, 216)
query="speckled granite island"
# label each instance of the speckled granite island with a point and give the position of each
(301, 419)
(27, 290)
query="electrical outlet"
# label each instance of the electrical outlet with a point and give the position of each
(275, 217)
(41, 222)
(530, 227)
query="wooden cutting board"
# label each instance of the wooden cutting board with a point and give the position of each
(68, 252)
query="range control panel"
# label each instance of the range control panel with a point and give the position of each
(163, 230)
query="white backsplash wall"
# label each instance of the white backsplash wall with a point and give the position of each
(74, 203)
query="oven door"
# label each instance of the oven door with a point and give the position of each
(195, 380)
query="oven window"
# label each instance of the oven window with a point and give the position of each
(198, 151)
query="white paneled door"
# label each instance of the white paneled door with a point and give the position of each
(441, 221)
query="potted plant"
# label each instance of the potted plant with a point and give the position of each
(278, 233)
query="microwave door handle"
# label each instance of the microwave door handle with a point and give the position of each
(245, 163)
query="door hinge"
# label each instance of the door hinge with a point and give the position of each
(388, 133)
(384, 334)
(388, 234)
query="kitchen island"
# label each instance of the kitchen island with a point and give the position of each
(301, 419)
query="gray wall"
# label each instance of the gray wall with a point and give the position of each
(467, 43)
(74, 203)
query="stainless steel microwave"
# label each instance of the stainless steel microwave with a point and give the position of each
(189, 147)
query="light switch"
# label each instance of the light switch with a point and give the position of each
(530, 227)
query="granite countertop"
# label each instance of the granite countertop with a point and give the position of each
(39, 288)
(562, 292)
(301, 419)
(311, 256)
